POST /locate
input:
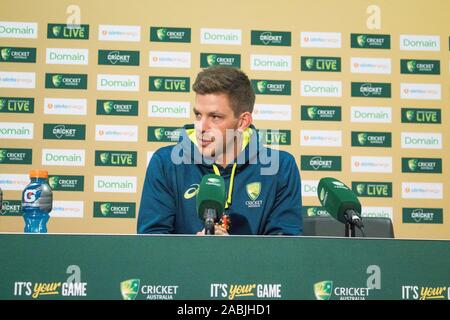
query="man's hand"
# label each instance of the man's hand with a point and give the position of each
(218, 231)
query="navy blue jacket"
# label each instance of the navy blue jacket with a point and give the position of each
(260, 204)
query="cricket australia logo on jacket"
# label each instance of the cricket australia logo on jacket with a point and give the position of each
(253, 191)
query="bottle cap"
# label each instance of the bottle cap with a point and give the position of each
(38, 174)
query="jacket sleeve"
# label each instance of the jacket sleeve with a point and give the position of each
(286, 215)
(157, 208)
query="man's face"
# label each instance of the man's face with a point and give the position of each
(213, 118)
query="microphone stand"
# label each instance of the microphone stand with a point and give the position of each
(349, 229)
(210, 217)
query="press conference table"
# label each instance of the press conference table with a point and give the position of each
(81, 266)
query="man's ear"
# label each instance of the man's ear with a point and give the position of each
(245, 120)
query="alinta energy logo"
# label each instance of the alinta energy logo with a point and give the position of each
(169, 84)
(371, 90)
(117, 107)
(321, 113)
(270, 38)
(67, 31)
(191, 192)
(14, 54)
(320, 64)
(422, 165)
(71, 288)
(272, 87)
(219, 59)
(118, 57)
(131, 289)
(168, 34)
(370, 41)
(420, 66)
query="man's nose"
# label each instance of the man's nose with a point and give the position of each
(203, 124)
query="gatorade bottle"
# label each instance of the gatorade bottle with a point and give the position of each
(37, 201)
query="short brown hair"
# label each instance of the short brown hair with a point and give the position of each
(230, 81)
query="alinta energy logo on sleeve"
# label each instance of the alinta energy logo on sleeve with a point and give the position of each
(371, 89)
(422, 165)
(168, 34)
(265, 62)
(321, 64)
(118, 57)
(371, 164)
(19, 30)
(221, 36)
(16, 105)
(421, 140)
(65, 106)
(320, 40)
(422, 190)
(63, 157)
(315, 88)
(170, 59)
(370, 65)
(272, 112)
(275, 137)
(66, 182)
(117, 107)
(371, 139)
(112, 158)
(371, 114)
(320, 113)
(420, 91)
(370, 41)
(67, 56)
(414, 66)
(16, 130)
(314, 211)
(65, 81)
(11, 208)
(270, 38)
(321, 163)
(169, 109)
(119, 184)
(321, 138)
(114, 209)
(67, 31)
(117, 82)
(169, 84)
(16, 54)
(422, 215)
(60, 131)
(16, 156)
(420, 42)
(272, 87)
(116, 133)
(220, 59)
(119, 33)
(19, 80)
(163, 134)
(372, 189)
(421, 115)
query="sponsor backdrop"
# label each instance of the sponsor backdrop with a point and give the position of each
(89, 90)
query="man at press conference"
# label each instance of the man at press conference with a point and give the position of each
(262, 185)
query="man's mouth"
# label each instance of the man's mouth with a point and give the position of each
(205, 141)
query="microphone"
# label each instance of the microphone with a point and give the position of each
(340, 201)
(210, 200)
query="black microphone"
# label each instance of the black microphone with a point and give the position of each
(340, 201)
(210, 200)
